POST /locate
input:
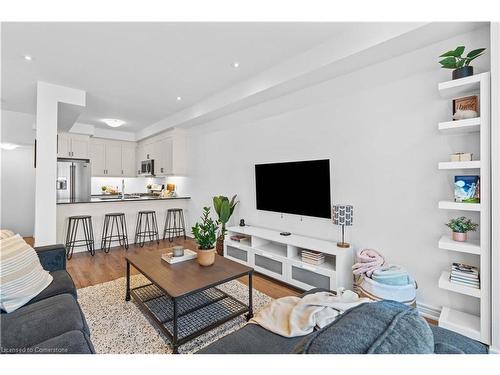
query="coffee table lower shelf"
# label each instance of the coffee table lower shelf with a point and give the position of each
(185, 318)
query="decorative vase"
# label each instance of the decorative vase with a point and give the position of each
(206, 257)
(460, 237)
(462, 72)
(220, 245)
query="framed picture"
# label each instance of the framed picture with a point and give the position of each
(468, 103)
(467, 189)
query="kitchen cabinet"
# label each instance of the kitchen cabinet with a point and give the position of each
(73, 146)
(162, 155)
(112, 158)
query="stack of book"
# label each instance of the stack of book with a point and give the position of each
(465, 275)
(313, 257)
(238, 238)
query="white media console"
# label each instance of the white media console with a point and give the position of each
(279, 257)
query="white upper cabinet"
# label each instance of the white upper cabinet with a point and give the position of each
(73, 146)
(112, 158)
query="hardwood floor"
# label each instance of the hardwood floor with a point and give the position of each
(87, 270)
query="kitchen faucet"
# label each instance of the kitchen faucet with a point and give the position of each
(123, 189)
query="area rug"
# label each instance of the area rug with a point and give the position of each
(119, 327)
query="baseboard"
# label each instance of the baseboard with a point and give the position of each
(429, 312)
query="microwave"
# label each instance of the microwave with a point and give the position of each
(147, 168)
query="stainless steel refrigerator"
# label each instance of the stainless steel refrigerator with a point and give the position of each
(73, 179)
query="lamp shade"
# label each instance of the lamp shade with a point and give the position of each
(343, 214)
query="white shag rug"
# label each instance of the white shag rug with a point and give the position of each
(119, 327)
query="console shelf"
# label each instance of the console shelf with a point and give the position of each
(279, 257)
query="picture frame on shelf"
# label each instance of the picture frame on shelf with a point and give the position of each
(467, 189)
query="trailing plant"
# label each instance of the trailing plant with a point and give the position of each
(224, 209)
(205, 232)
(462, 225)
(454, 60)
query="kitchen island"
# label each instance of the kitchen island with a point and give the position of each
(130, 205)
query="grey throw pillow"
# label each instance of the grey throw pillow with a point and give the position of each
(385, 327)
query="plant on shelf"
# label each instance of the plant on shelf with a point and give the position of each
(461, 65)
(224, 209)
(205, 234)
(460, 226)
(104, 189)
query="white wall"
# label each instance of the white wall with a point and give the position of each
(17, 173)
(379, 128)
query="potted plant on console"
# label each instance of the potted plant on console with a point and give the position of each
(205, 235)
(224, 209)
(460, 226)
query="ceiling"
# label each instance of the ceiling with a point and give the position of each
(135, 71)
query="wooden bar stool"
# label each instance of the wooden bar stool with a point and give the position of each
(110, 220)
(174, 224)
(71, 235)
(146, 226)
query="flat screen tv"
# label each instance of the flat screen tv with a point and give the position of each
(301, 188)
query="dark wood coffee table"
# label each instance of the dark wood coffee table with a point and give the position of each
(183, 299)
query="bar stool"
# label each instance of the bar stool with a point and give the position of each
(146, 226)
(71, 235)
(174, 224)
(118, 219)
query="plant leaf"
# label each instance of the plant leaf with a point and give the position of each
(449, 53)
(475, 53)
(449, 63)
(457, 52)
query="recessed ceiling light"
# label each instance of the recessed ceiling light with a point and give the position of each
(235, 64)
(113, 122)
(179, 98)
(28, 57)
(8, 146)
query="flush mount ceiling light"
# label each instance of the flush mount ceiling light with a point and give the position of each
(235, 64)
(28, 57)
(113, 122)
(8, 146)
(179, 98)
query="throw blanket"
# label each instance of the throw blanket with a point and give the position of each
(295, 316)
(367, 261)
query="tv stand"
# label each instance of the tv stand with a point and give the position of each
(279, 257)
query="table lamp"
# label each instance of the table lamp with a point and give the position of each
(342, 215)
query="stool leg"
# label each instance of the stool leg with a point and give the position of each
(118, 231)
(183, 224)
(124, 230)
(86, 235)
(171, 224)
(73, 224)
(166, 225)
(137, 228)
(92, 244)
(155, 223)
(104, 232)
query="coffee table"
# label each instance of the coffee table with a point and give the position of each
(183, 299)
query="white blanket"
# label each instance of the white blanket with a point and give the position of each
(295, 316)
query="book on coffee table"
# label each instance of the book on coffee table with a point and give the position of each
(188, 255)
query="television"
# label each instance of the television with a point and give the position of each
(301, 188)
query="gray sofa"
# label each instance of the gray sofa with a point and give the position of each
(52, 322)
(382, 327)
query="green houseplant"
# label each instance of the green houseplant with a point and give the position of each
(224, 209)
(460, 226)
(205, 234)
(461, 64)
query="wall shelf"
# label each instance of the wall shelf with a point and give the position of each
(475, 164)
(471, 125)
(470, 247)
(460, 87)
(466, 324)
(451, 205)
(445, 283)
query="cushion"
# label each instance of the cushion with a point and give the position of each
(41, 321)
(5, 233)
(449, 342)
(72, 342)
(61, 283)
(385, 327)
(21, 274)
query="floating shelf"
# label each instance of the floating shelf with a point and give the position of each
(460, 87)
(451, 205)
(466, 324)
(470, 125)
(445, 283)
(471, 247)
(475, 164)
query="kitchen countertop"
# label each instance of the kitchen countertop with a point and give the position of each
(108, 199)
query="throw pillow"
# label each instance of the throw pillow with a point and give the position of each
(5, 233)
(385, 327)
(21, 274)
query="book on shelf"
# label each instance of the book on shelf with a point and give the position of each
(464, 276)
(238, 238)
(467, 284)
(312, 257)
